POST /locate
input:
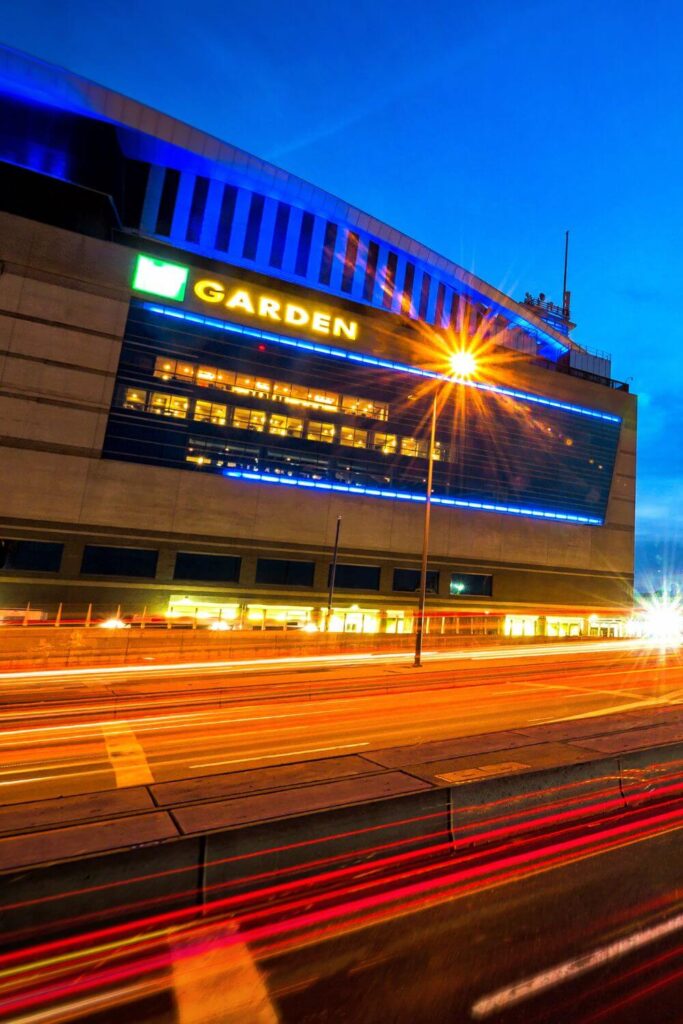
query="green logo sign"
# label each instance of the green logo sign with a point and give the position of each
(159, 277)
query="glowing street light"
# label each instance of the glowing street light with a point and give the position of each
(663, 620)
(463, 365)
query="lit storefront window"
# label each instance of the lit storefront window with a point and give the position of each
(520, 625)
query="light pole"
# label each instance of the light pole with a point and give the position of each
(463, 366)
(333, 574)
(425, 539)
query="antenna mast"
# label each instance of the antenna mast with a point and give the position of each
(566, 296)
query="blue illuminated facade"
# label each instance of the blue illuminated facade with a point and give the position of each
(216, 396)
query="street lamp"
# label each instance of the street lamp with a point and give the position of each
(463, 365)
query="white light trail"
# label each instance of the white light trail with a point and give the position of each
(512, 995)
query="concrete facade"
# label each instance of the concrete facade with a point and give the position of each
(64, 300)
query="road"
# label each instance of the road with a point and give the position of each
(67, 733)
(580, 926)
(581, 923)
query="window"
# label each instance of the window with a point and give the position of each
(206, 376)
(105, 561)
(225, 217)
(168, 405)
(424, 296)
(408, 581)
(285, 572)
(285, 426)
(212, 568)
(320, 431)
(440, 299)
(440, 452)
(328, 253)
(279, 390)
(386, 443)
(248, 419)
(389, 280)
(370, 271)
(135, 179)
(470, 584)
(134, 398)
(210, 412)
(407, 293)
(253, 226)
(169, 194)
(277, 249)
(355, 577)
(164, 368)
(199, 197)
(185, 371)
(30, 555)
(414, 447)
(304, 247)
(246, 385)
(212, 377)
(353, 438)
(365, 407)
(350, 257)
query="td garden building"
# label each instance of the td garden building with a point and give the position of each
(207, 364)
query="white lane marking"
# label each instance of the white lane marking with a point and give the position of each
(127, 757)
(614, 710)
(282, 753)
(511, 995)
(501, 653)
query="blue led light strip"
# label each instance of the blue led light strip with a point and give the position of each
(382, 492)
(358, 357)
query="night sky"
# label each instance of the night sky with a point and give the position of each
(484, 130)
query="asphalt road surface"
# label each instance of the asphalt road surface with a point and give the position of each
(70, 733)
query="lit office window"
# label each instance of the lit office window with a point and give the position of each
(320, 431)
(211, 412)
(285, 426)
(249, 419)
(386, 443)
(185, 371)
(168, 405)
(353, 438)
(164, 368)
(134, 398)
(414, 447)
(364, 407)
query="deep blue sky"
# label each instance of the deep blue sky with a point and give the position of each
(482, 129)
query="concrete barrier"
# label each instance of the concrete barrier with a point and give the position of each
(652, 775)
(522, 803)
